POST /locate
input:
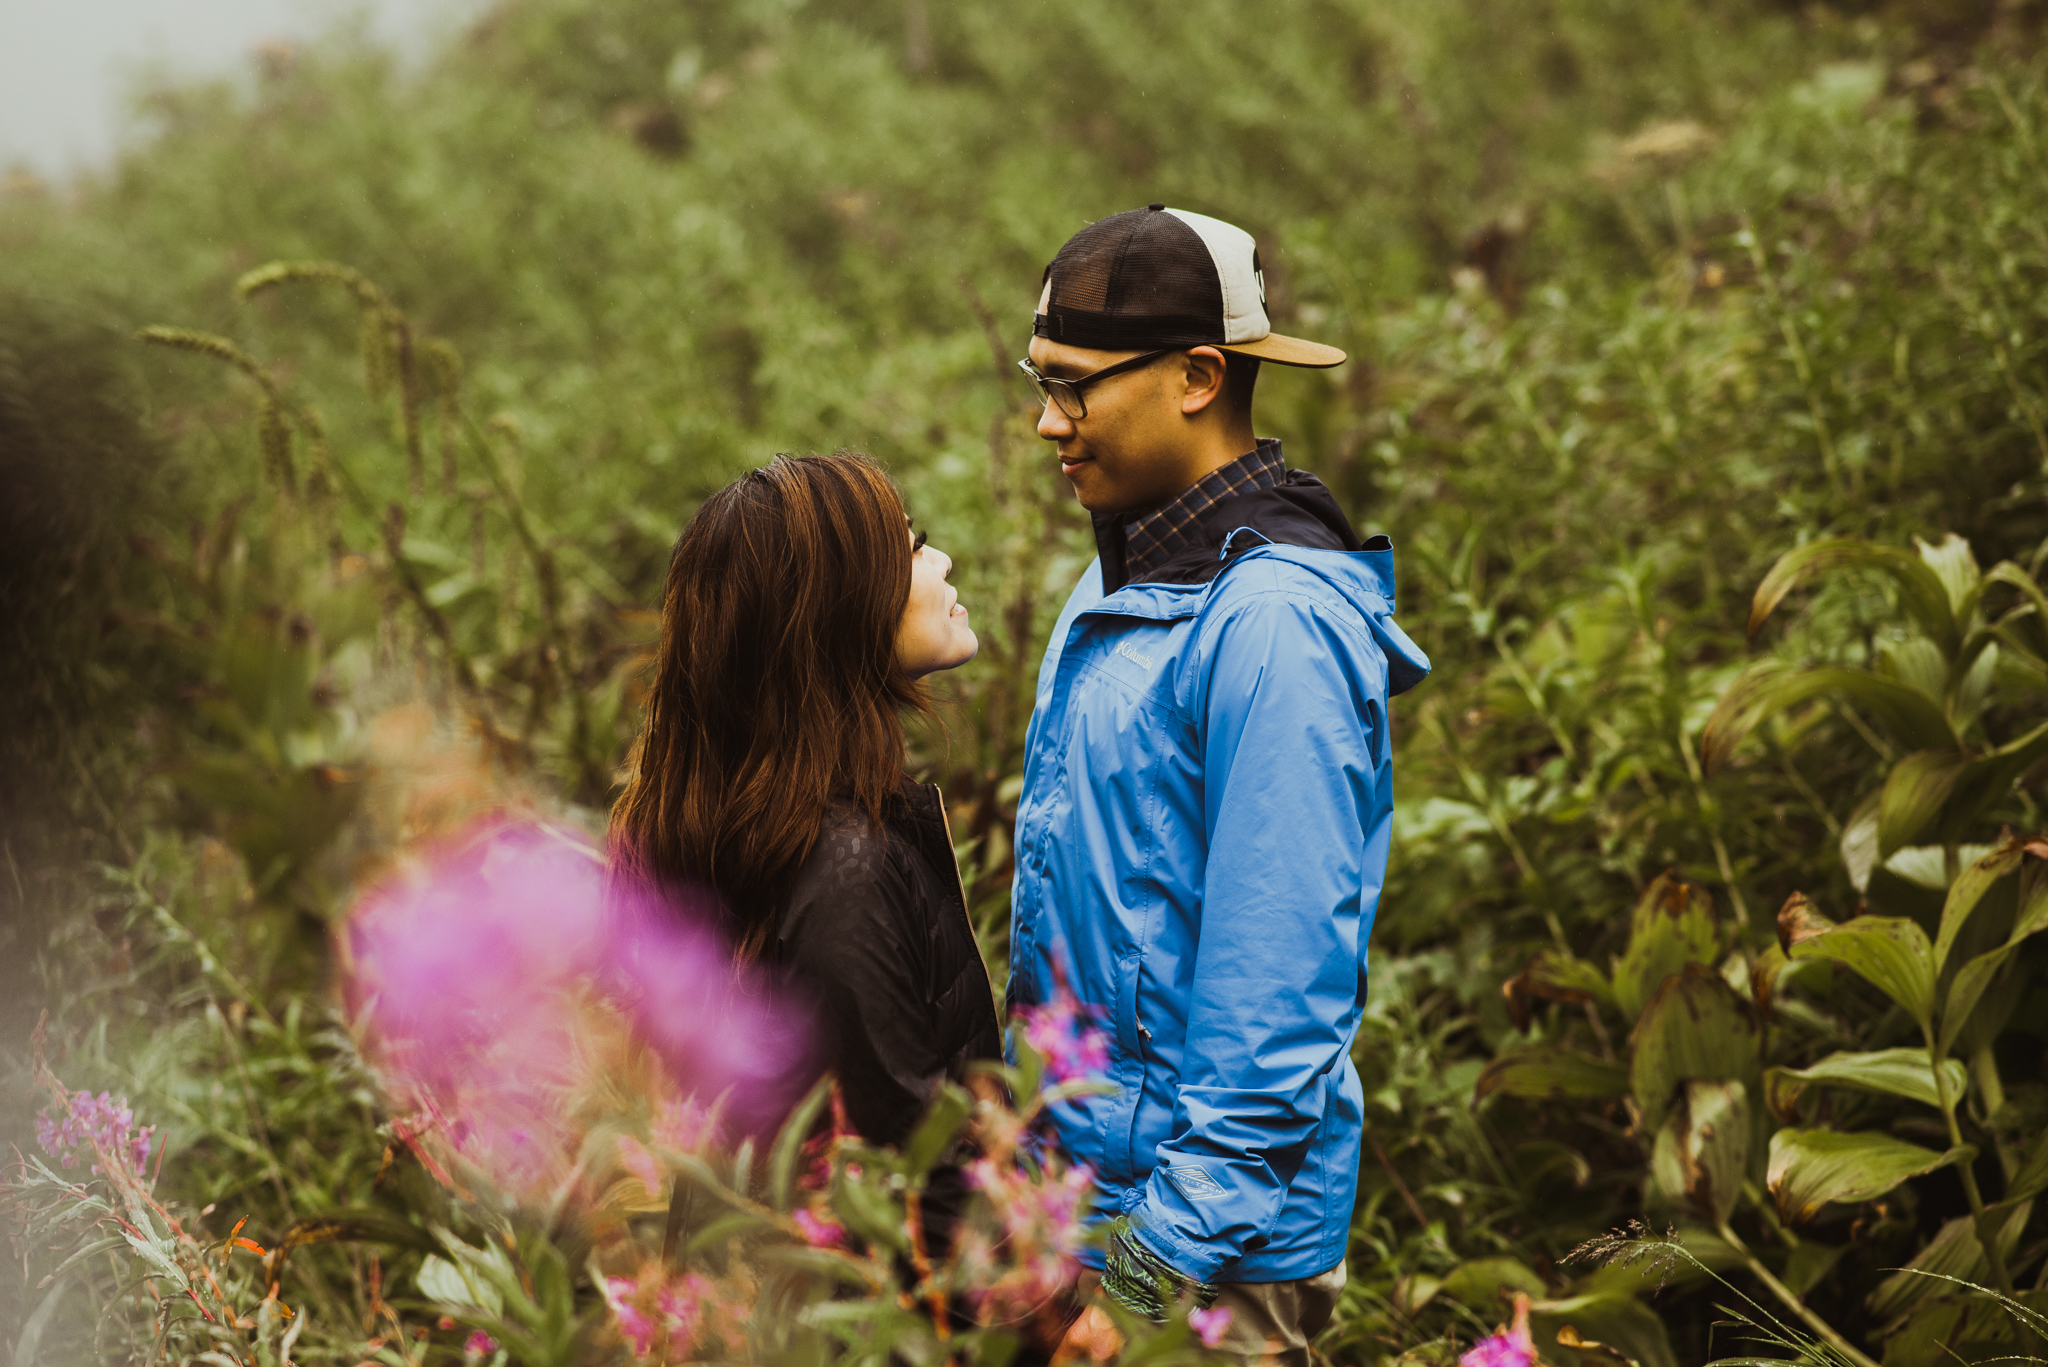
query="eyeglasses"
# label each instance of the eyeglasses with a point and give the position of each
(1067, 393)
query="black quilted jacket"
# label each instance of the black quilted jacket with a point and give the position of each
(876, 938)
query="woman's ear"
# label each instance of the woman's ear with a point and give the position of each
(1203, 381)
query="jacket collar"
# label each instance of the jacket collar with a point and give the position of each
(1298, 511)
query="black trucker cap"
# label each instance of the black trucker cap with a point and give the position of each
(1157, 277)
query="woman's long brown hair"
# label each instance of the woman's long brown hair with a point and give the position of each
(777, 686)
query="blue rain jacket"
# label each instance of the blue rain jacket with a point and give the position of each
(1201, 841)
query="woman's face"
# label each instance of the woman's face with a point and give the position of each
(934, 634)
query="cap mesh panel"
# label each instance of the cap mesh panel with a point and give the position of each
(1134, 281)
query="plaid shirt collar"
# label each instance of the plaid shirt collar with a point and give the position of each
(1150, 541)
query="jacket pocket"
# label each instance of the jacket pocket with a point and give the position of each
(1129, 1071)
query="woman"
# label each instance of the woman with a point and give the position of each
(801, 612)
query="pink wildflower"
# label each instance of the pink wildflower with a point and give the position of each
(1507, 1347)
(483, 971)
(1210, 1325)
(635, 1159)
(102, 1124)
(1059, 1031)
(651, 1312)
(479, 1344)
(1042, 1226)
(634, 1325)
(680, 1304)
(685, 1126)
(818, 1233)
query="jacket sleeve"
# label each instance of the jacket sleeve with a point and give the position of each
(849, 940)
(1289, 700)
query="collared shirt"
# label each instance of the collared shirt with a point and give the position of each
(1152, 540)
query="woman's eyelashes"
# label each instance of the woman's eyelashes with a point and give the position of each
(918, 544)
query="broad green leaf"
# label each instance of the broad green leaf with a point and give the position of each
(2033, 600)
(1912, 718)
(819, 1262)
(1551, 1071)
(1922, 589)
(1623, 1322)
(869, 1212)
(1810, 1168)
(1563, 978)
(726, 1227)
(1955, 1326)
(1479, 1283)
(1955, 565)
(1971, 982)
(1952, 1252)
(2032, 1178)
(1673, 925)
(1859, 841)
(1895, 1072)
(1711, 1124)
(442, 1281)
(1986, 780)
(1592, 1350)
(1919, 664)
(1763, 978)
(1891, 951)
(37, 1322)
(1974, 978)
(789, 1142)
(1914, 794)
(935, 1133)
(1696, 1026)
(1551, 976)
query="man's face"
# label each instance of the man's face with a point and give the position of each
(1129, 454)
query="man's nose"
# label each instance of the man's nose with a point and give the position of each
(1053, 424)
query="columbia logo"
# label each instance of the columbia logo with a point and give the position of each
(1195, 1183)
(1124, 649)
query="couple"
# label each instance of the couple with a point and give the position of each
(1203, 827)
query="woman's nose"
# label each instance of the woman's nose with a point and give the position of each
(1054, 424)
(945, 561)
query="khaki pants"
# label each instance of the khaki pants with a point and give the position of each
(1271, 1323)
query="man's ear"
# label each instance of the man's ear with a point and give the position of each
(1204, 380)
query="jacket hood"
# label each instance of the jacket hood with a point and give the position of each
(1365, 578)
(1300, 522)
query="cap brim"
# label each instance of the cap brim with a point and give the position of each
(1289, 351)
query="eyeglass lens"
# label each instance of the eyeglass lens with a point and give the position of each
(1060, 392)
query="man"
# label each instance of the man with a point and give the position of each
(1203, 828)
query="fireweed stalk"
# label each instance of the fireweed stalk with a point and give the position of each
(189, 1308)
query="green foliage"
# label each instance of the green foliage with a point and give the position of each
(1670, 323)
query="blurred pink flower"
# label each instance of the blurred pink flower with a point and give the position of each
(103, 1124)
(477, 970)
(818, 1233)
(651, 1312)
(635, 1159)
(1209, 1325)
(680, 1305)
(685, 1126)
(1073, 1049)
(1041, 1223)
(1509, 1347)
(634, 1324)
(479, 1343)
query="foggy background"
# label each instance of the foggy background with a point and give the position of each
(66, 66)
